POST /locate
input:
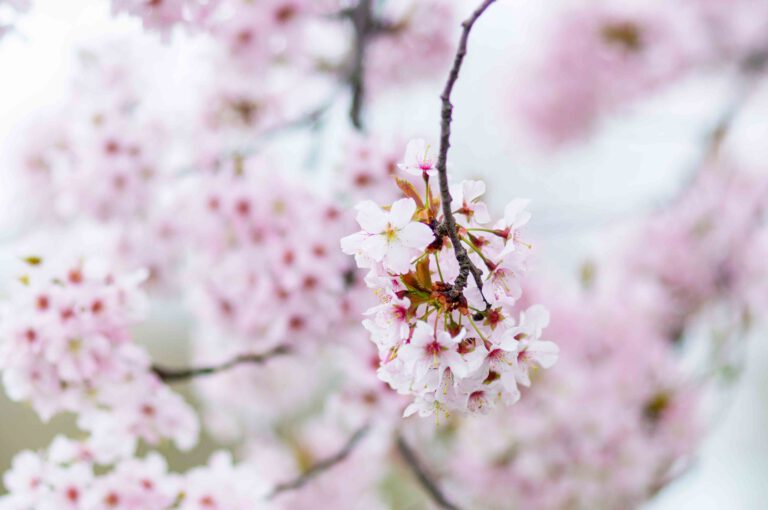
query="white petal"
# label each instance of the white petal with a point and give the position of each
(401, 212)
(398, 259)
(374, 247)
(371, 217)
(521, 374)
(455, 362)
(536, 318)
(544, 353)
(416, 235)
(412, 408)
(415, 151)
(422, 335)
(481, 214)
(351, 244)
(508, 342)
(514, 212)
(457, 193)
(473, 190)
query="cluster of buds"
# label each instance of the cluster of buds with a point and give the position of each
(453, 343)
(65, 346)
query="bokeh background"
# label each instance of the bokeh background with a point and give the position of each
(636, 161)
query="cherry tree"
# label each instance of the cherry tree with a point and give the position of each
(368, 333)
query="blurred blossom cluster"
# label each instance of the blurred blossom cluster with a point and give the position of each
(331, 308)
(601, 57)
(67, 347)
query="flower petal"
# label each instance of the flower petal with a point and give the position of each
(371, 217)
(416, 235)
(544, 353)
(401, 212)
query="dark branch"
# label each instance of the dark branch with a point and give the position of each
(429, 485)
(321, 466)
(170, 375)
(364, 25)
(311, 119)
(449, 222)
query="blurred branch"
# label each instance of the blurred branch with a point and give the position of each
(311, 119)
(364, 25)
(751, 70)
(170, 375)
(323, 465)
(449, 222)
(429, 485)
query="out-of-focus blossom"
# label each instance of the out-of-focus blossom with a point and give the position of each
(65, 346)
(598, 58)
(419, 32)
(46, 481)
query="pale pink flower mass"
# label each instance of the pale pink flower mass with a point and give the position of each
(237, 181)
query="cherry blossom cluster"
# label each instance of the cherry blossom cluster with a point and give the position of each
(264, 255)
(251, 246)
(721, 219)
(69, 476)
(367, 168)
(412, 30)
(99, 157)
(263, 270)
(250, 27)
(599, 56)
(453, 351)
(65, 346)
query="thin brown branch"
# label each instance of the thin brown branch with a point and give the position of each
(364, 25)
(310, 118)
(449, 222)
(323, 465)
(429, 485)
(171, 375)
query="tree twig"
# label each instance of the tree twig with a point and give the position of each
(364, 26)
(429, 485)
(170, 375)
(310, 118)
(446, 115)
(322, 465)
(751, 70)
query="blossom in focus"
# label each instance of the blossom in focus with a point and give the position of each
(389, 237)
(466, 352)
(419, 159)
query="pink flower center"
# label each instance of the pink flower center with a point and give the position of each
(434, 348)
(73, 494)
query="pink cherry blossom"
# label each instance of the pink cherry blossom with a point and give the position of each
(419, 159)
(462, 354)
(390, 237)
